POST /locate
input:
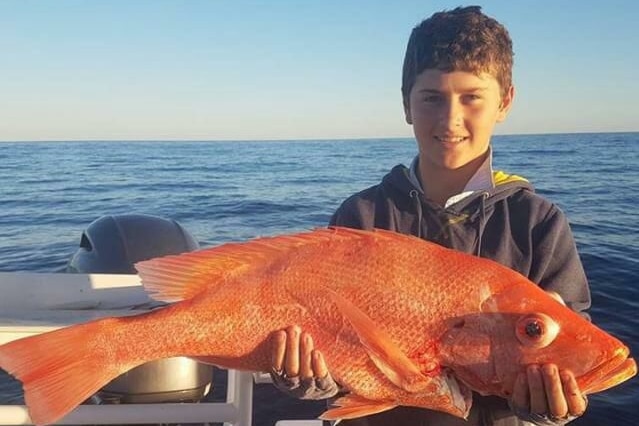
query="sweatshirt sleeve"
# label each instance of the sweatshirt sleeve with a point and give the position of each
(344, 217)
(356, 212)
(556, 265)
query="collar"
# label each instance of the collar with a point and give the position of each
(482, 180)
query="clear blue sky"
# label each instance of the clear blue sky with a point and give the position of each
(289, 69)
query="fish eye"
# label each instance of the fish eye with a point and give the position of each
(536, 330)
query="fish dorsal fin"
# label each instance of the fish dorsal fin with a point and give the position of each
(353, 406)
(389, 358)
(180, 277)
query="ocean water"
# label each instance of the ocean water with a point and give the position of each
(230, 191)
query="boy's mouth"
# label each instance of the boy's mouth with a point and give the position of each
(451, 139)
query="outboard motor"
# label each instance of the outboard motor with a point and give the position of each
(111, 245)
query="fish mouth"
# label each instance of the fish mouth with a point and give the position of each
(616, 370)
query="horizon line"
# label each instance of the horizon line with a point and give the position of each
(307, 139)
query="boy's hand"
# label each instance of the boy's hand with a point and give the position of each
(297, 368)
(545, 395)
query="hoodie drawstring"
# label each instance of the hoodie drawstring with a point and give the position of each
(482, 221)
(414, 195)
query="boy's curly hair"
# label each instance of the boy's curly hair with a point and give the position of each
(463, 39)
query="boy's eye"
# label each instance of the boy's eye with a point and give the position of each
(432, 98)
(472, 97)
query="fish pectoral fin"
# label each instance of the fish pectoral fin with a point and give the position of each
(384, 353)
(353, 406)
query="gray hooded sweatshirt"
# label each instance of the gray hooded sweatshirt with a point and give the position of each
(508, 223)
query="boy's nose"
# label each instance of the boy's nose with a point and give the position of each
(452, 115)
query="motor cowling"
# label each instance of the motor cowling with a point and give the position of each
(112, 245)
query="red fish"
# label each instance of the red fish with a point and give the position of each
(400, 321)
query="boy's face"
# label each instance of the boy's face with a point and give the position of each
(453, 115)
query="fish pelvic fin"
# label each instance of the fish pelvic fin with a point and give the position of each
(58, 370)
(354, 406)
(384, 353)
(181, 277)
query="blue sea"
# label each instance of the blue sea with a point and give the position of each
(230, 191)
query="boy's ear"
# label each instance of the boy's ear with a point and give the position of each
(506, 104)
(407, 114)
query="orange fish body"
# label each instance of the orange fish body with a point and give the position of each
(400, 321)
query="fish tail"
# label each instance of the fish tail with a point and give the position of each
(61, 369)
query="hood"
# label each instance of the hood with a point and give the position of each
(449, 226)
(505, 185)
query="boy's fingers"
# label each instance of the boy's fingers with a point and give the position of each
(319, 365)
(306, 347)
(292, 358)
(577, 402)
(538, 403)
(557, 405)
(278, 348)
(521, 397)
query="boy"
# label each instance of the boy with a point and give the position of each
(456, 86)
